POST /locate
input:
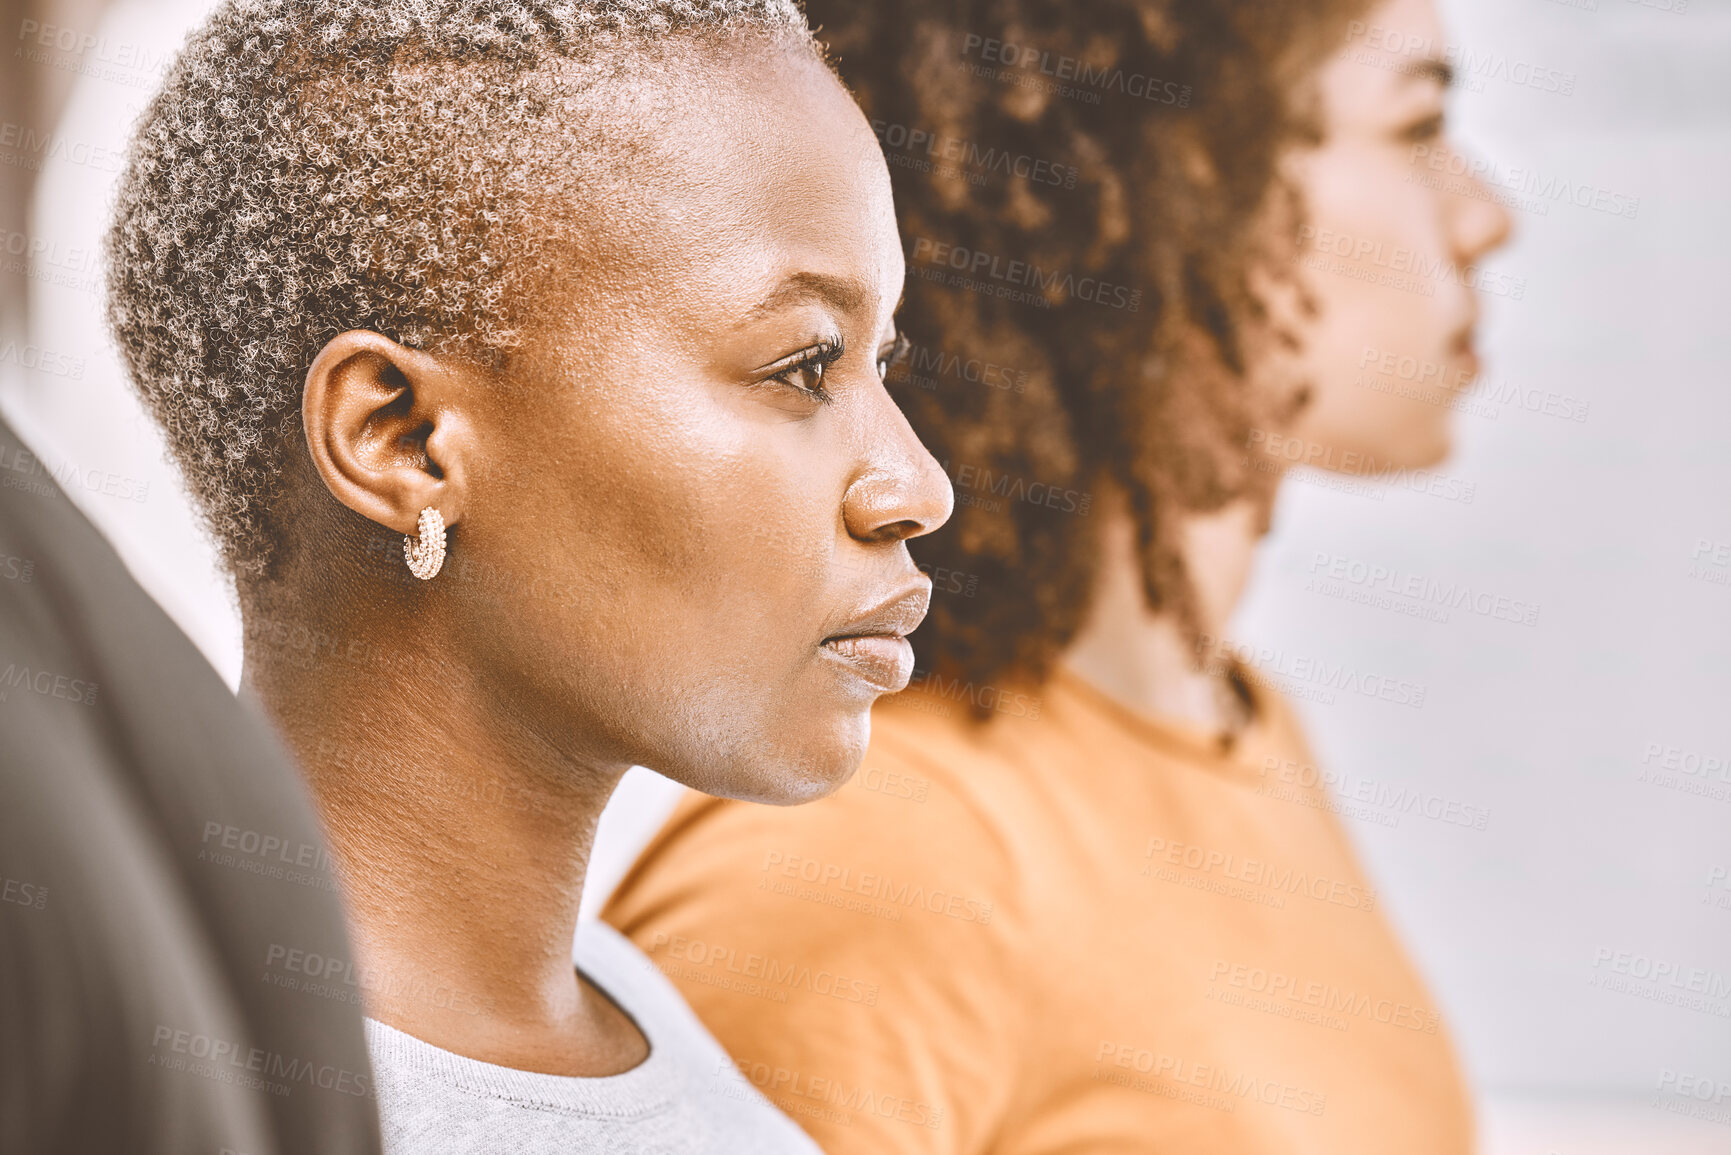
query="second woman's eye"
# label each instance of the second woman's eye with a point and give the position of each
(1427, 129)
(891, 355)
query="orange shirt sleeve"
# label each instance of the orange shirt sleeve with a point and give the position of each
(804, 938)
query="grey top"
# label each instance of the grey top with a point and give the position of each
(685, 1098)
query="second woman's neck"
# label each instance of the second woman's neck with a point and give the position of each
(1147, 659)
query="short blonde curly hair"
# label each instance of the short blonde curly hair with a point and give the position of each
(314, 166)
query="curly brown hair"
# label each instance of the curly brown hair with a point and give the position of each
(1084, 192)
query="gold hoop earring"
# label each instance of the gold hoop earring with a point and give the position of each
(427, 554)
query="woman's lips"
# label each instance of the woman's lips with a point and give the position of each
(1467, 357)
(884, 660)
(873, 642)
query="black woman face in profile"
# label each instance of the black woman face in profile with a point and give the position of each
(677, 492)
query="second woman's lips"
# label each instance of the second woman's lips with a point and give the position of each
(1466, 353)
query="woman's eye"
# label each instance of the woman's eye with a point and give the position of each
(1428, 129)
(891, 355)
(804, 371)
(807, 377)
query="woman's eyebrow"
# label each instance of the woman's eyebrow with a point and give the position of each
(845, 294)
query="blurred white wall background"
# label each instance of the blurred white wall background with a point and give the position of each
(1599, 522)
(1618, 527)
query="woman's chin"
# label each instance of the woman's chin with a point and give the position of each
(788, 774)
(1415, 445)
(1428, 449)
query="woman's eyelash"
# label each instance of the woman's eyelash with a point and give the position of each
(815, 361)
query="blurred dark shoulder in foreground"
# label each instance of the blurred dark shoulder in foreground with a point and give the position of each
(159, 867)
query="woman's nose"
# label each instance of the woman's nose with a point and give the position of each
(1479, 223)
(903, 492)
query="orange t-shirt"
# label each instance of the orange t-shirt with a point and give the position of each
(1075, 929)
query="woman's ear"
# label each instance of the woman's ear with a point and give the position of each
(385, 429)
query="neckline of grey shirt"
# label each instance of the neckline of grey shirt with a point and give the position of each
(685, 1096)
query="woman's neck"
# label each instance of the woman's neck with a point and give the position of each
(1143, 657)
(461, 841)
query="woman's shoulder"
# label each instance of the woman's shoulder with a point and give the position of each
(921, 845)
(794, 929)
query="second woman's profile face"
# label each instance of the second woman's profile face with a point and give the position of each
(1396, 227)
(685, 538)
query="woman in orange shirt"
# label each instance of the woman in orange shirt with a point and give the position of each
(1087, 893)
